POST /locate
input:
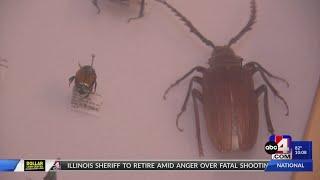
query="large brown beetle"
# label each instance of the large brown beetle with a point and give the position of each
(230, 102)
(141, 12)
(85, 79)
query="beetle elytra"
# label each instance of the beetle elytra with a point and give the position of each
(230, 102)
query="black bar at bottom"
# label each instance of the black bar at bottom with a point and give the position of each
(165, 165)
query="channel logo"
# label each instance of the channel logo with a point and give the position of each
(288, 155)
(280, 146)
(56, 166)
(283, 142)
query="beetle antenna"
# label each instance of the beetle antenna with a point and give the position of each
(93, 56)
(95, 3)
(248, 27)
(79, 65)
(187, 23)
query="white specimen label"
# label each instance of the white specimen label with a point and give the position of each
(90, 104)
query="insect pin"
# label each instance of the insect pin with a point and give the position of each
(85, 79)
(230, 102)
(141, 11)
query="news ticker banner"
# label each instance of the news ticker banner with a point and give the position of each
(15, 165)
(286, 156)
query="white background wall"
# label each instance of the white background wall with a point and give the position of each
(43, 40)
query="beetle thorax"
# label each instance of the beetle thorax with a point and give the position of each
(86, 72)
(224, 56)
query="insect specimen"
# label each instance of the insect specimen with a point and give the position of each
(141, 12)
(85, 79)
(230, 102)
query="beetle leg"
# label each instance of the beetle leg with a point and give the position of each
(4, 60)
(95, 3)
(197, 68)
(258, 67)
(184, 106)
(141, 13)
(274, 91)
(92, 56)
(51, 175)
(95, 86)
(71, 79)
(196, 94)
(259, 91)
(5, 66)
(254, 67)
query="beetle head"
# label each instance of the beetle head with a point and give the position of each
(83, 88)
(224, 55)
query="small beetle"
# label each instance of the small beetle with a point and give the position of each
(141, 13)
(85, 79)
(230, 102)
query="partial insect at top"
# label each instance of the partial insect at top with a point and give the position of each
(141, 12)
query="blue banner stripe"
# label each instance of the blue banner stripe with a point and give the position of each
(290, 165)
(8, 164)
(302, 150)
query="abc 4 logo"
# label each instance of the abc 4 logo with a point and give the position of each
(278, 144)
